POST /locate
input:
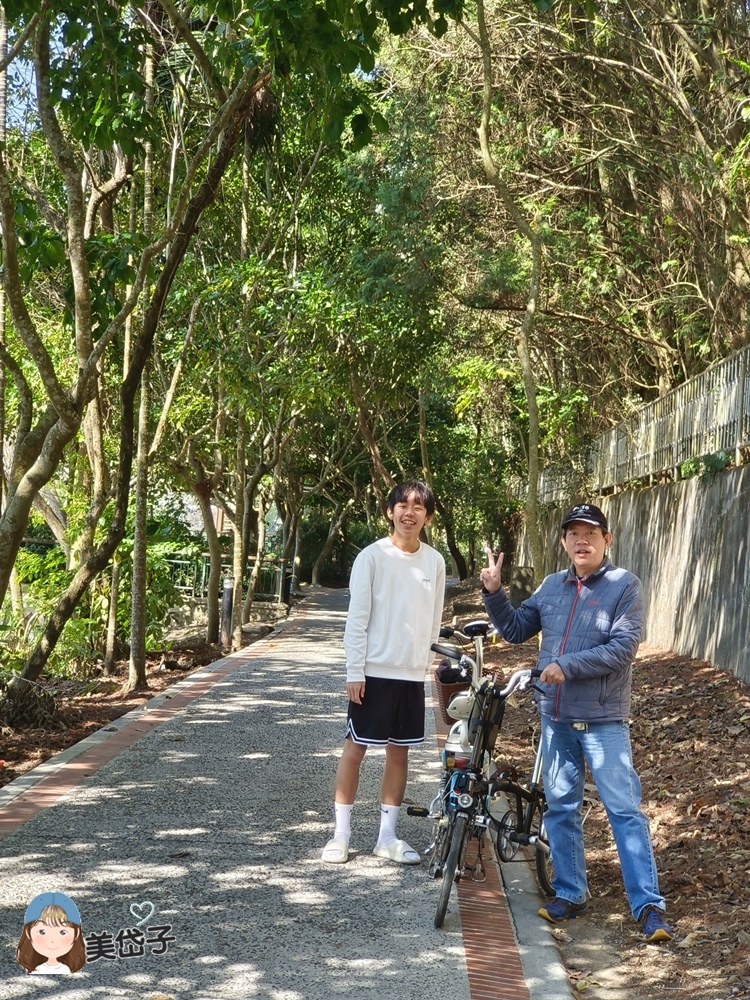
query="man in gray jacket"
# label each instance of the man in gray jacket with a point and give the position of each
(591, 618)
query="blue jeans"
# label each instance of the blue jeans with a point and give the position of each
(605, 747)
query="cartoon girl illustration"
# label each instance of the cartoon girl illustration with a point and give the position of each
(52, 941)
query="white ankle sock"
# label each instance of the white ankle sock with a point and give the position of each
(388, 817)
(343, 820)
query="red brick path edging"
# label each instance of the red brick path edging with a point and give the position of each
(493, 961)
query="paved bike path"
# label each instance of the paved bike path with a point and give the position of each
(189, 833)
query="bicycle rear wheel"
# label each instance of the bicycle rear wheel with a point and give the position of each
(455, 856)
(507, 848)
(545, 867)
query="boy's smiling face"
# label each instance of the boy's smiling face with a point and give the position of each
(408, 518)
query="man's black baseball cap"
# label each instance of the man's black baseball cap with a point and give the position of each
(588, 513)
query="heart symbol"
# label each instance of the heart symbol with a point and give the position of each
(139, 909)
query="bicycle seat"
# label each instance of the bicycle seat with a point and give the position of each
(475, 628)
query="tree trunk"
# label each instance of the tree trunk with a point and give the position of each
(290, 514)
(297, 557)
(338, 519)
(141, 348)
(3, 123)
(239, 536)
(450, 537)
(213, 587)
(114, 593)
(137, 665)
(16, 595)
(381, 476)
(523, 337)
(425, 455)
(259, 554)
(44, 447)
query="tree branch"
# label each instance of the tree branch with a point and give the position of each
(192, 43)
(28, 31)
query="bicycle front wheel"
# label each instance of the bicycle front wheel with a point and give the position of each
(455, 857)
(442, 840)
(545, 868)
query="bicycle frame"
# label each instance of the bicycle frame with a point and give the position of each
(523, 823)
(462, 805)
(467, 781)
(527, 798)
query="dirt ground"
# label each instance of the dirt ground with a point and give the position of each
(691, 746)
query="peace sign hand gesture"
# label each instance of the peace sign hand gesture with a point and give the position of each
(490, 576)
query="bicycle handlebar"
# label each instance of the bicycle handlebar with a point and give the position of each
(519, 680)
(480, 628)
(452, 652)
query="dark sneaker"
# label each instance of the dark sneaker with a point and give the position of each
(654, 926)
(562, 909)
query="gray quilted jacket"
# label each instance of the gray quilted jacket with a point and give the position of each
(591, 627)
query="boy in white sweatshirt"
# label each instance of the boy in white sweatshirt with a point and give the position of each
(397, 588)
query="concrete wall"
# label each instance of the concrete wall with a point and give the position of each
(688, 542)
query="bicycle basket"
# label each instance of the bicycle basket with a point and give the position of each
(445, 692)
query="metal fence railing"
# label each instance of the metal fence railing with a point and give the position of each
(190, 576)
(708, 415)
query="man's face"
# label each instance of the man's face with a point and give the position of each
(586, 546)
(408, 518)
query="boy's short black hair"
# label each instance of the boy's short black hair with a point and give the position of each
(401, 493)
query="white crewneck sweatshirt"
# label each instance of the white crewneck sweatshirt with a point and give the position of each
(395, 610)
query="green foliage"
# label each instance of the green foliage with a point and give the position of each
(473, 375)
(503, 275)
(44, 576)
(109, 259)
(390, 274)
(561, 413)
(10, 661)
(706, 466)
(40, 249)
(468, 428)
(161, 593)
(97, 52)
(44, 572)
(335, 571)
(359, 535)
(337, 39)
